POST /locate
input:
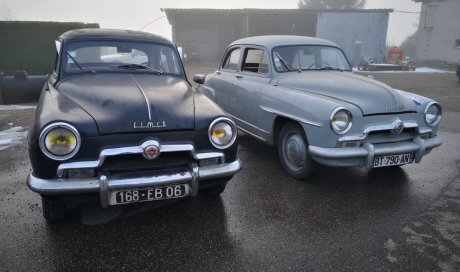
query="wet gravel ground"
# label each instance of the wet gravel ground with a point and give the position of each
(342, 219)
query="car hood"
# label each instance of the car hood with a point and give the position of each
(370, 96)
(122, 103)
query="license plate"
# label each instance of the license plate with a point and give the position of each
(149, 194)
(401, 159)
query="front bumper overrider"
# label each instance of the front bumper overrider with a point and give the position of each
(364, 155)
(105, 184)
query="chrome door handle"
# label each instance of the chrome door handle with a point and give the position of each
(218, 72)
(238, 76)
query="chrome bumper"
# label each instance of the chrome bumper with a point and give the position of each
(104, 185)
(364, 155)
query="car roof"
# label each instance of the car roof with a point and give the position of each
(277, 40)
(118, 34)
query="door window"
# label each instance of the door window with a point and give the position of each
(255, 61)
(232, 59)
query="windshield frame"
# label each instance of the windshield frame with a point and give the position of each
(67, 44)
(305, 70)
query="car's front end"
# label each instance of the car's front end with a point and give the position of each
(379, 140)
(126, 132)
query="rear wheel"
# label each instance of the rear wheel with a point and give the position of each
(54, 211)
(293, 151)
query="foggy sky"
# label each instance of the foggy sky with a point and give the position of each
(135, 14)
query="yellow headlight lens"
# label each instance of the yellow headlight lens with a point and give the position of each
(60, 141)
(222, 134)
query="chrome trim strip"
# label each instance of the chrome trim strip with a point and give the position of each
(252, 134)
(298, 119)
(145, 96)
(136, 150)
(94, 185)
(242, 121)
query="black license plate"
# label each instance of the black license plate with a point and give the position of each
(149, 194)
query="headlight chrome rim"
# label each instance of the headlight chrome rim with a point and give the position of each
(51, 127)
(350, 122)
(234, 132)
(438, 117)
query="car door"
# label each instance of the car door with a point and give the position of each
(247, 86)
(222, 82)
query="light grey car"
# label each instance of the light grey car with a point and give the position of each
(300, 94)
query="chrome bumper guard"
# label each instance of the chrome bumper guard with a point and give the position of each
(104, 185)
(364, 155)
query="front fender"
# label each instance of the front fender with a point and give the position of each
(310, 110)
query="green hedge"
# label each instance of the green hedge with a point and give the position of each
(30, 45)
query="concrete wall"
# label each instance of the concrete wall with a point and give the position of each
(439, 32)
(361, 35)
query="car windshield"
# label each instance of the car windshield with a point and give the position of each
(309, 57)
(120, 56)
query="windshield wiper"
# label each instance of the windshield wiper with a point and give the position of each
(330, 68)
(134, 66)
(78, 64)
(288, 66)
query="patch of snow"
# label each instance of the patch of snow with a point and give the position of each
(11, 137)
(16, 107)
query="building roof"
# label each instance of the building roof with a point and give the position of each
(276, 40)
(171, 11)
(119, 34)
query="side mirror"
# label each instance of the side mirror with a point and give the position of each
(199, 78)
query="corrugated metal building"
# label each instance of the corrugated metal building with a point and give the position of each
(206, 33)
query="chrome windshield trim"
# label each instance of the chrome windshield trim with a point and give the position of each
(295, 118)
(367, 130)
(164, 148)
(145, 96)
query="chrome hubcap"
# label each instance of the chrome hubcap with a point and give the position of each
(295, 151)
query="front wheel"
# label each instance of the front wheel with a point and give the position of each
(54, 211)
(293, 152)
(214, 191)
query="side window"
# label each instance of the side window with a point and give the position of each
(232, 59)
(255, 61)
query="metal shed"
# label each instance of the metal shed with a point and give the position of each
(205, 33)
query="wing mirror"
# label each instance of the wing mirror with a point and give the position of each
(199, 78)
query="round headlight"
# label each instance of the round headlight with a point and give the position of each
(222, 133)
(341, 120)
(59, 141)
(433, 113)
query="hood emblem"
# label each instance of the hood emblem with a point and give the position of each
(399, 127)
(150, 124)
(394, 107)
(151, 152)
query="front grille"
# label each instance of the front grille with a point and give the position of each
(136, 162)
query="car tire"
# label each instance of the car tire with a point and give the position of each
(293, 152)
(214, 191)
(54, 211)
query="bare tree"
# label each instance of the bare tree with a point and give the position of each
(331, 4)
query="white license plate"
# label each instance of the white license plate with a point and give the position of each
(149, 194)
(391, 160)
